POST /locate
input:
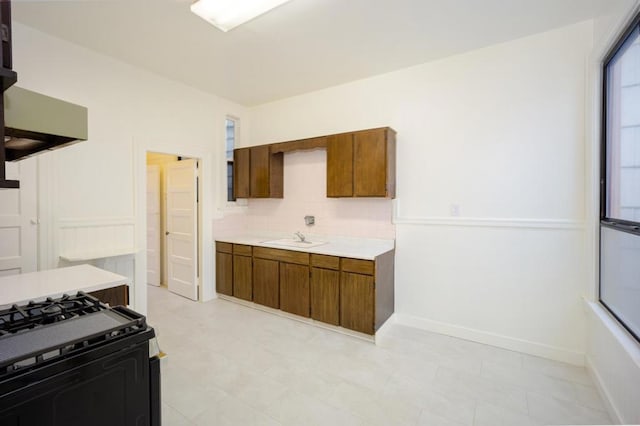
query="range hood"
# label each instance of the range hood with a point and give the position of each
(30, 123)
(35, 123)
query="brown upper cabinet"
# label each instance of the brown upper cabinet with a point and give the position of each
(257, 173)
(362, 164)
(340, 165)
(265, 173)
(241, 173)
(359, 164)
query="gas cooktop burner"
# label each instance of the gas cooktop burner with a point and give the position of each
(16, 319)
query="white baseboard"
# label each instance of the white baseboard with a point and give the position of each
(604, 393)
(505, 342)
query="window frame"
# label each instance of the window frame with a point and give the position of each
(615, 223)
(621, 225)
(227, 162)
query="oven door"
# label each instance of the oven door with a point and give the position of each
(112, 389)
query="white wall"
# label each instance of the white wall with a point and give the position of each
(500, 133)
(102, 181)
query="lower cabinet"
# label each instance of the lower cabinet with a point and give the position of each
(224, 268)
(356, 294)
(294, 289)
(266, 282)
(325, 288)
(243, 271)
(359, 280)
(242, 277)
(357, 302)
(114, 296)
(325, 295)
(224, 273)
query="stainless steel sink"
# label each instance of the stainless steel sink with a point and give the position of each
(290, 242)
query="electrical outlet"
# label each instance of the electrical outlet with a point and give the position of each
(309, 220)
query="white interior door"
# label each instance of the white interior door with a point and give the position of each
(19, 220)
(182, 227)
(153, 225)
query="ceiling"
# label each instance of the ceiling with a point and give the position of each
(303, 45)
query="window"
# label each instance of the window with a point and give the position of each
(231, 131)
(620, 178)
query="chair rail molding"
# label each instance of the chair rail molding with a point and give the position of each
(487, 222)
(492, 222)
(87, 222)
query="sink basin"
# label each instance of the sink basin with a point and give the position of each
(290, 242)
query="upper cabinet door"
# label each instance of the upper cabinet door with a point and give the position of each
(259, 171)
(266, 173)
(362, 164)
(340, 165)
(370, 164)
(241, 173)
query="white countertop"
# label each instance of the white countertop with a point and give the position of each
(21, 288)
(357, 248)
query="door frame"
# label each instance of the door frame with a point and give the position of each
(26, 219)
(157, 190)
(207, 196)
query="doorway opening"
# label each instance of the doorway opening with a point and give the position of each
(19, 220)
(173, 223)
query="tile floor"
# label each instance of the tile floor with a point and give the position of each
(232, 365)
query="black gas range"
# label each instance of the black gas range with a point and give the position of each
(73, 361)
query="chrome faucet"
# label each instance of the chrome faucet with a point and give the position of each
(300, 235)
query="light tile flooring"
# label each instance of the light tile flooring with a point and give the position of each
(232, 365)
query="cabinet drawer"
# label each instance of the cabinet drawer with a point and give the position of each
(241, 249)
(358, 266)
(224, 247)
(287, 256)
(322, 261)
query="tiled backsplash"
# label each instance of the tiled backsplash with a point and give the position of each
(305, 194)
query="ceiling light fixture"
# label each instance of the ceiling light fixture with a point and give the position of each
(228, 14)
